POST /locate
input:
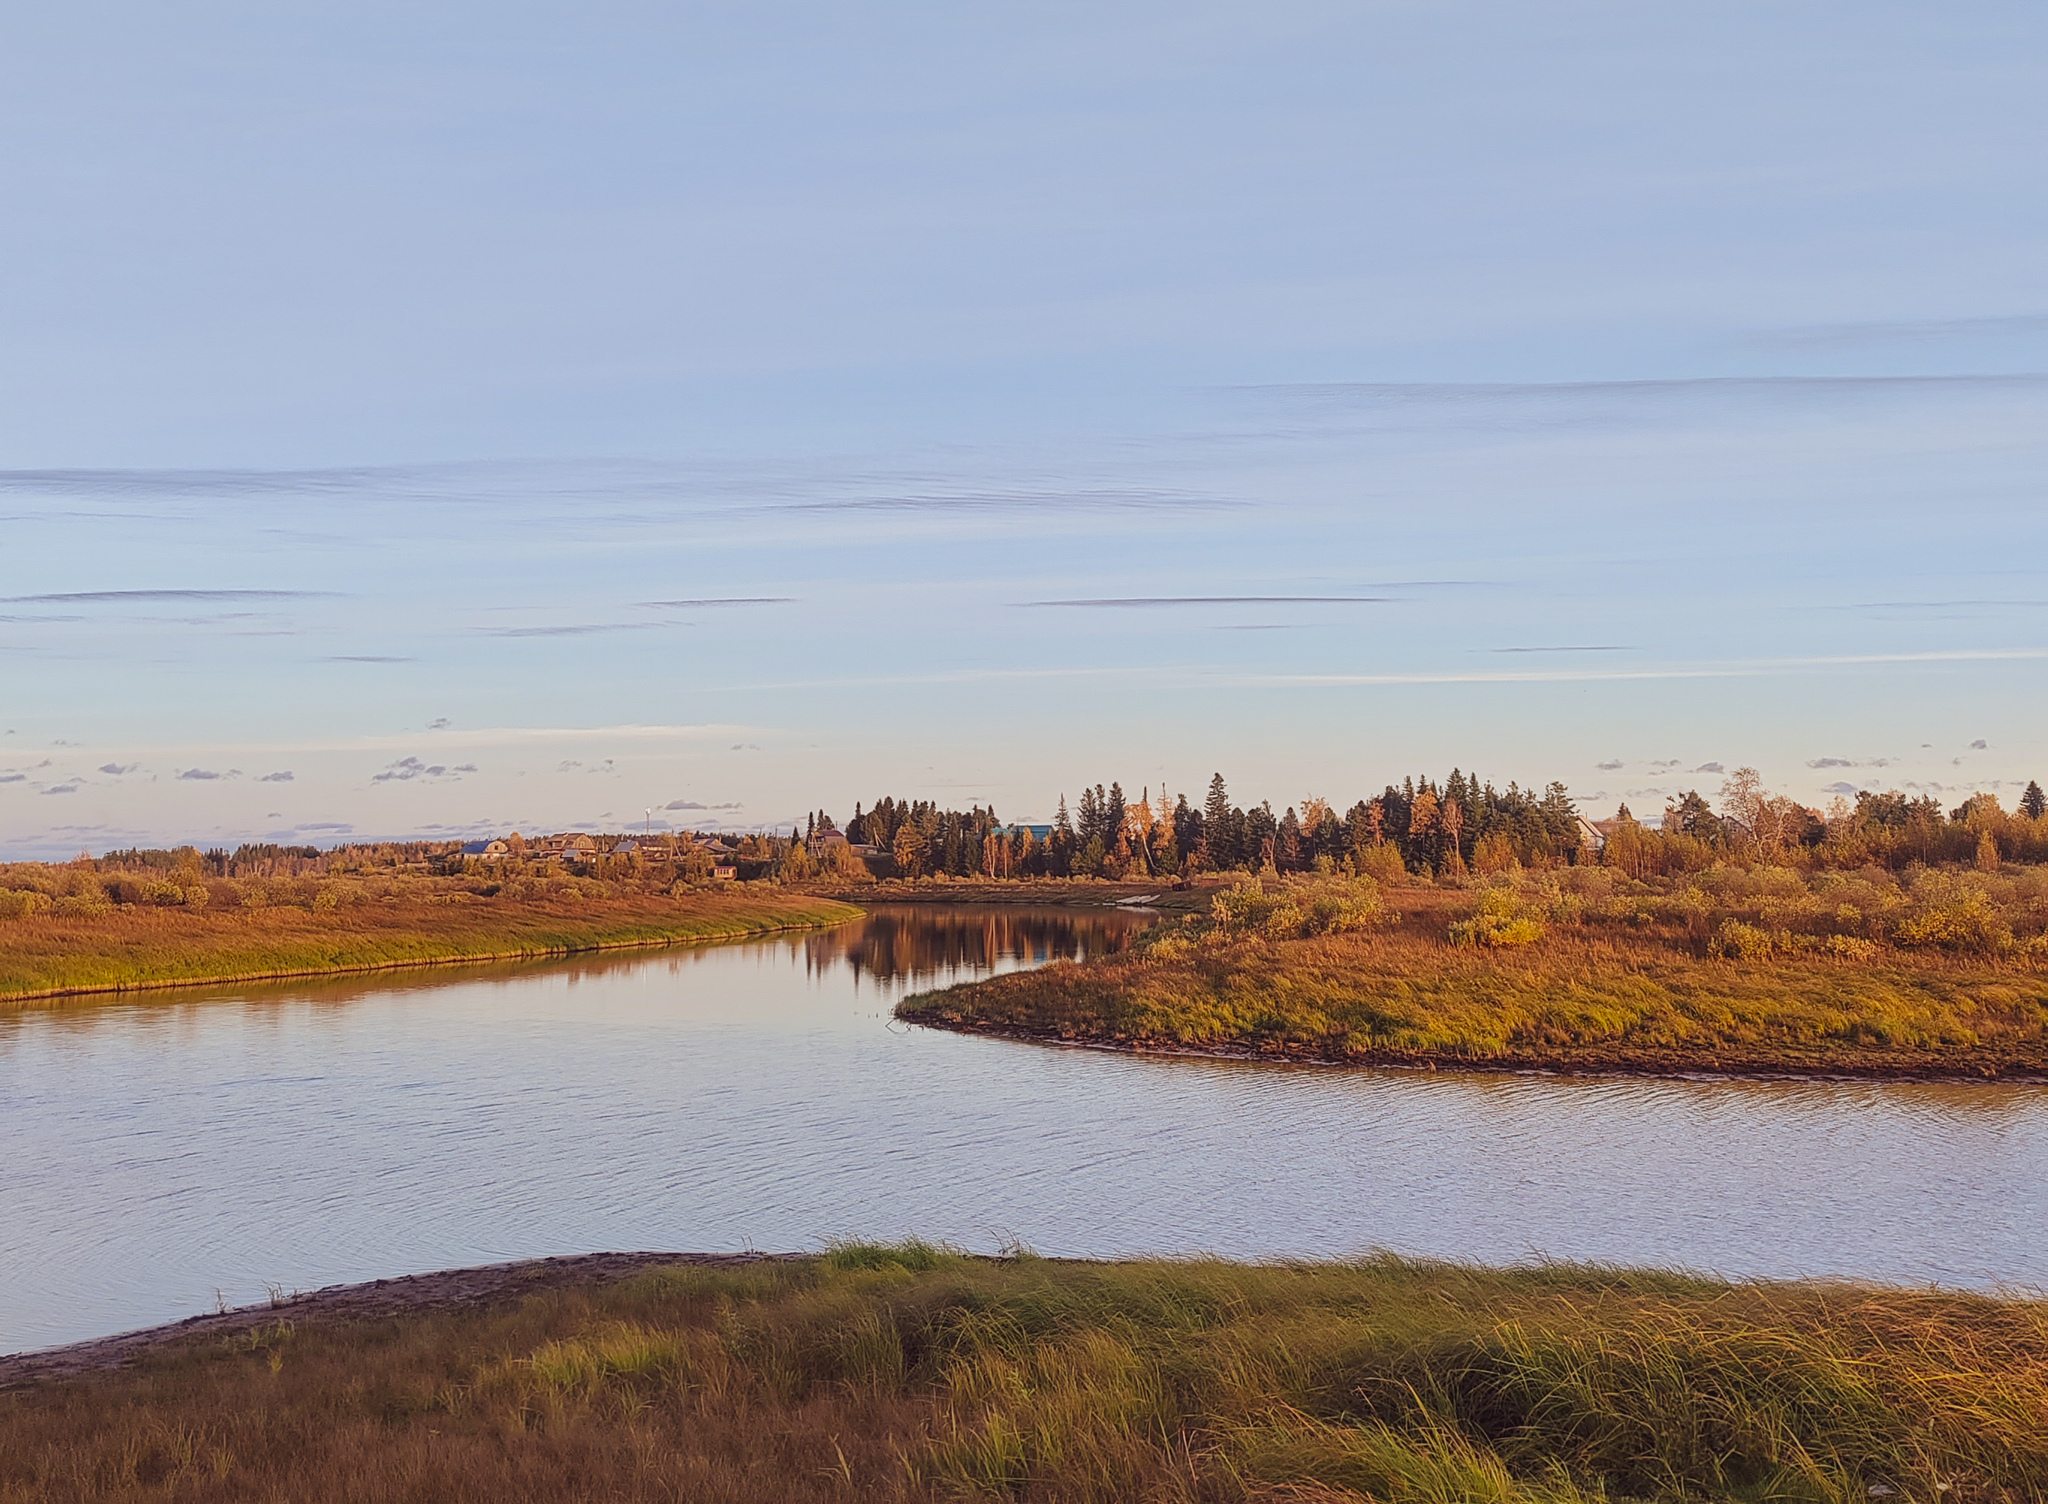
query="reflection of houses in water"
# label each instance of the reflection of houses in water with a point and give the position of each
(926, 945)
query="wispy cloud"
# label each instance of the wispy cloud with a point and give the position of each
(581, 629)
(1125, 601)
(1755, 668)
(116, 769)
(366, 658)
(729, 600)
(406, 769)
(117, 597)
(1878, 333)
(281, 777)
(1021, 501)
(693, 804)
(1603, 647)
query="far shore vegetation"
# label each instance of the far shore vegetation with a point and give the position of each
(1887, 936)
(144, 919)
(911, 1373)
(1744, 932)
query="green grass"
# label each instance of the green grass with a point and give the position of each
(1591, 999)
(51, 955)
(915, 1374)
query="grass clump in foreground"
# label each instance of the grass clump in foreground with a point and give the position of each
(1758, 970)
(916, 1374)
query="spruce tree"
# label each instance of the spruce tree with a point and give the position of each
(2033, 803)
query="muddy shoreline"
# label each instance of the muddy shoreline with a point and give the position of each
(1727, 1065)
(372, 1300)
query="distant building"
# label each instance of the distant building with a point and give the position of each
(1591, 836)
(488, 851)
(725, 874)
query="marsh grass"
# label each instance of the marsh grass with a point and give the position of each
(1611, 982)
(54, 953)
(916, 1374)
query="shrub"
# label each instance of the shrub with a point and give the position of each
(1314, 906)
(19, 903)
(1953, 913)
(1741, 942)
(1382, 864)
(1499, 921)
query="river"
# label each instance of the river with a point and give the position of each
(162, 1156)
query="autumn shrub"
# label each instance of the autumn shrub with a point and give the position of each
(1951, 914)
(19, 903)
(1382, 863)
(1298, 908)
(1502, 919)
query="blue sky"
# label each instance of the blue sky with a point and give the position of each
(764, 407)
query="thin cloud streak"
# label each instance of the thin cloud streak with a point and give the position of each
(1756, 669)
(116, 597)
(1198, 677)
(496, 736)
(1216, 600)
(732, 600)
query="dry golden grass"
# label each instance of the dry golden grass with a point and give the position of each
(1606, 981)
(52, 954)
(912, 1374)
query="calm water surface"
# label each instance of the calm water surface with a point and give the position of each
(162, 1155)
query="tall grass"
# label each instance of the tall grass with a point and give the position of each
(915, 1374)
(53, 954)
(1604, 975)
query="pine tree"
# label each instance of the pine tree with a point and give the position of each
(2033, 803)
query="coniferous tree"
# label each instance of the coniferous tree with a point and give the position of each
(1260, 833)
(1217, 827)
(2033, 803)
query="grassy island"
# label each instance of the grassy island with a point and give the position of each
(912, 1374)
(101, 933)
(1756, 970)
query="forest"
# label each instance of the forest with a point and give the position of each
(1450, 829)
(1427, 828)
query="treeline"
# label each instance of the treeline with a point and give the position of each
(268, 859)
(1888, 830)
(1423, 827)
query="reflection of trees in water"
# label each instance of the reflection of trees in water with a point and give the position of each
(924, 944)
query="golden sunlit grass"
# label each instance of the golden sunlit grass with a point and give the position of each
(914, 1374)
(52, 953)
(1649, 982)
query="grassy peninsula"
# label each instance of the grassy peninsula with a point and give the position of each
(100, 928)
(1744, 970)
(912, 1374)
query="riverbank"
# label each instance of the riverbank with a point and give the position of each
(1626, 1001)
(1159, 894)
(915, 1374)
(47, 957)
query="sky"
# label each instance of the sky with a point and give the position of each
(444, 420)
